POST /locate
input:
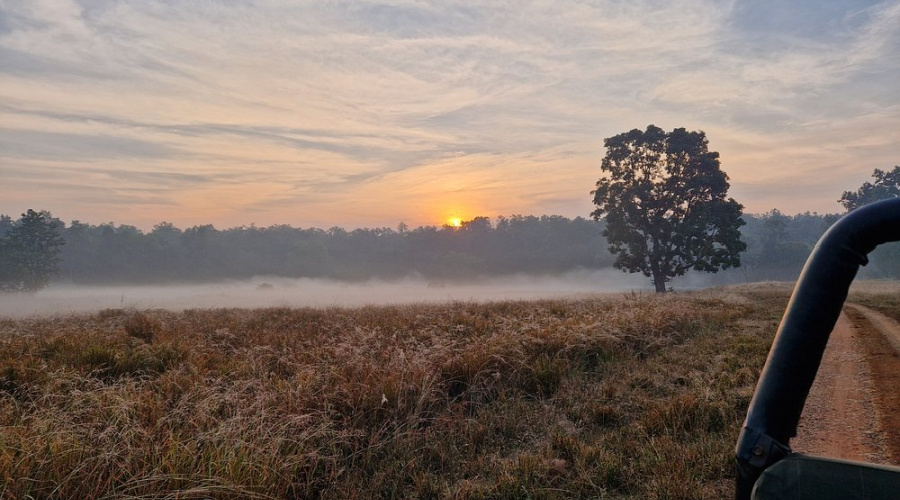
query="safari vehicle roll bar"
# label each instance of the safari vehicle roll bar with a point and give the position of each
(796, 353)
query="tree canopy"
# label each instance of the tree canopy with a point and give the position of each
(664, 205)
(29, 251)
(886, 185)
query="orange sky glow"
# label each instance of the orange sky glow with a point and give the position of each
(363, 114)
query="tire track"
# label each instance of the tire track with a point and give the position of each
(885, 325)
(839, 419)
(880, 337)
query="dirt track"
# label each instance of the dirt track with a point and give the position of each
(853, 410)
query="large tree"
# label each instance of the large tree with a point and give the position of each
(29, 252)
(886, 185)
(663, 200)
(885, 260)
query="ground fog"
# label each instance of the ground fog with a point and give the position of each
(305, 292)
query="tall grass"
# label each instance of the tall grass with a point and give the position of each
(636, 397)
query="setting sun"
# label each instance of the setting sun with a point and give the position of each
(454, 221)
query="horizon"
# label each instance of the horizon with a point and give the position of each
(451, 222)
(362, 114)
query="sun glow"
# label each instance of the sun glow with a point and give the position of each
(454, 221)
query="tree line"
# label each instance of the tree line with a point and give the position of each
(777, 247)
(110, 253)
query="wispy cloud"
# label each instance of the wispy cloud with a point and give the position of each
(366, 113)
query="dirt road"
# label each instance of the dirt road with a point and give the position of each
(851, 406)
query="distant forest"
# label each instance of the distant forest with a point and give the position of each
(777, 247)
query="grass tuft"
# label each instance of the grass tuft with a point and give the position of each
(142, 326)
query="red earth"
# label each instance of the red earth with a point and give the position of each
(853, 409)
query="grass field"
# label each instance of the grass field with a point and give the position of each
(884, 297)
(635, 396)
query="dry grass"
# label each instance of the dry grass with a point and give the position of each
(636, 397)
(883, 296)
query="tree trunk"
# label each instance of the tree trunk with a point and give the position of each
(656, 266)
(660, 281)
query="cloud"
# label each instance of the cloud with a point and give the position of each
(344, 109)
(37, 145)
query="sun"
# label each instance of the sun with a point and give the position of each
(454, 221)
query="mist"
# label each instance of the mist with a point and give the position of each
(320, 293)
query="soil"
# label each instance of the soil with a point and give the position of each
(853, 409)
(880, 337)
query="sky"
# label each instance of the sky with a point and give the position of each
(365, 114)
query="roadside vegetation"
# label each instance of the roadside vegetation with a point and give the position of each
(882, 296)
(632, 396)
